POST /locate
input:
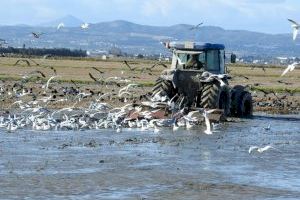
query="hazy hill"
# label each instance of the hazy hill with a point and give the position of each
(69, 21)
(136, 38)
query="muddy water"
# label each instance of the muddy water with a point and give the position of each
(138, 164)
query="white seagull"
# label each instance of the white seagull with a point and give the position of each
(295, 27)
(260, 149)
(289, 68)
(48, 82)
(208, 130)
(61, 25)
(84, 26)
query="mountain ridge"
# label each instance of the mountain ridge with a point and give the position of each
(137, 38)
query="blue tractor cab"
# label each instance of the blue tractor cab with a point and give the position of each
(209, 57)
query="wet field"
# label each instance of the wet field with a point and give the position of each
(137, 164)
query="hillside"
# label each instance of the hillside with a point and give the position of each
(136, 38)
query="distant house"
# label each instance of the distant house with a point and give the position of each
(282, 60)
(167, 59)
(3, 44)
(97, 53)
(104, 57)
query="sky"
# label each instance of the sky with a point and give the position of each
(269, 16)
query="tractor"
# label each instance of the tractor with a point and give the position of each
(198, 79)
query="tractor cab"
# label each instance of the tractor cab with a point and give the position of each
(198, 56)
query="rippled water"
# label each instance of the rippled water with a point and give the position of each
(138, 164)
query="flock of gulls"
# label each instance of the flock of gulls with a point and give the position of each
(35, 108)
(28, 111)
(61, 25)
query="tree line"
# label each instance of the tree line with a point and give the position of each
(44, 51)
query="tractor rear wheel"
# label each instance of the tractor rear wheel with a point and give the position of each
(213, 96)
(241, 99)
(164, 87)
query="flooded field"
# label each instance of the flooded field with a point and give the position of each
(137, 164)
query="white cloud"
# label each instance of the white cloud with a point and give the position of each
(154, 7)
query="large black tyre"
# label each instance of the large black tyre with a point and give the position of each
(213, 96)
(241, 102)
(165, 88)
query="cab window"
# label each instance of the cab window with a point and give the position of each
(213, 60)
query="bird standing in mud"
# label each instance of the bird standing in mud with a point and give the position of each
(205, 113)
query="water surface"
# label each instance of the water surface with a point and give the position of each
(139, 164)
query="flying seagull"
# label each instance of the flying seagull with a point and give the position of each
(289, 68)
(34, 72)
(148, 68)
(61, 25)
(295, 27)
(98, 70)
(49, 80)
(260, 149)
(127, 64)
(84, 26)
(196, 27)
(37, 35)
(22, 60)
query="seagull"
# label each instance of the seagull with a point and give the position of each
(289, 68)
(295, 27)
(260, 149)
(268, 127)
(219, 77)
(61, 25)
(48, 82)
(92, 77)
(101, 72)
(150, 68)
(126, 88)
(84, 26)
(131, 68)
(208, 130)
(28, 75)
(11, 127)
(175, 126)
(54, 70)
(124, 93)
(22, 60)
(196, 27)
(286, 83)
(36, 35)
(46, 56)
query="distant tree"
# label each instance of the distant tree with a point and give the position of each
(115, 51)
(41, 52)
(140, 56)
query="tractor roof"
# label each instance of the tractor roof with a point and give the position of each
(192, 46)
